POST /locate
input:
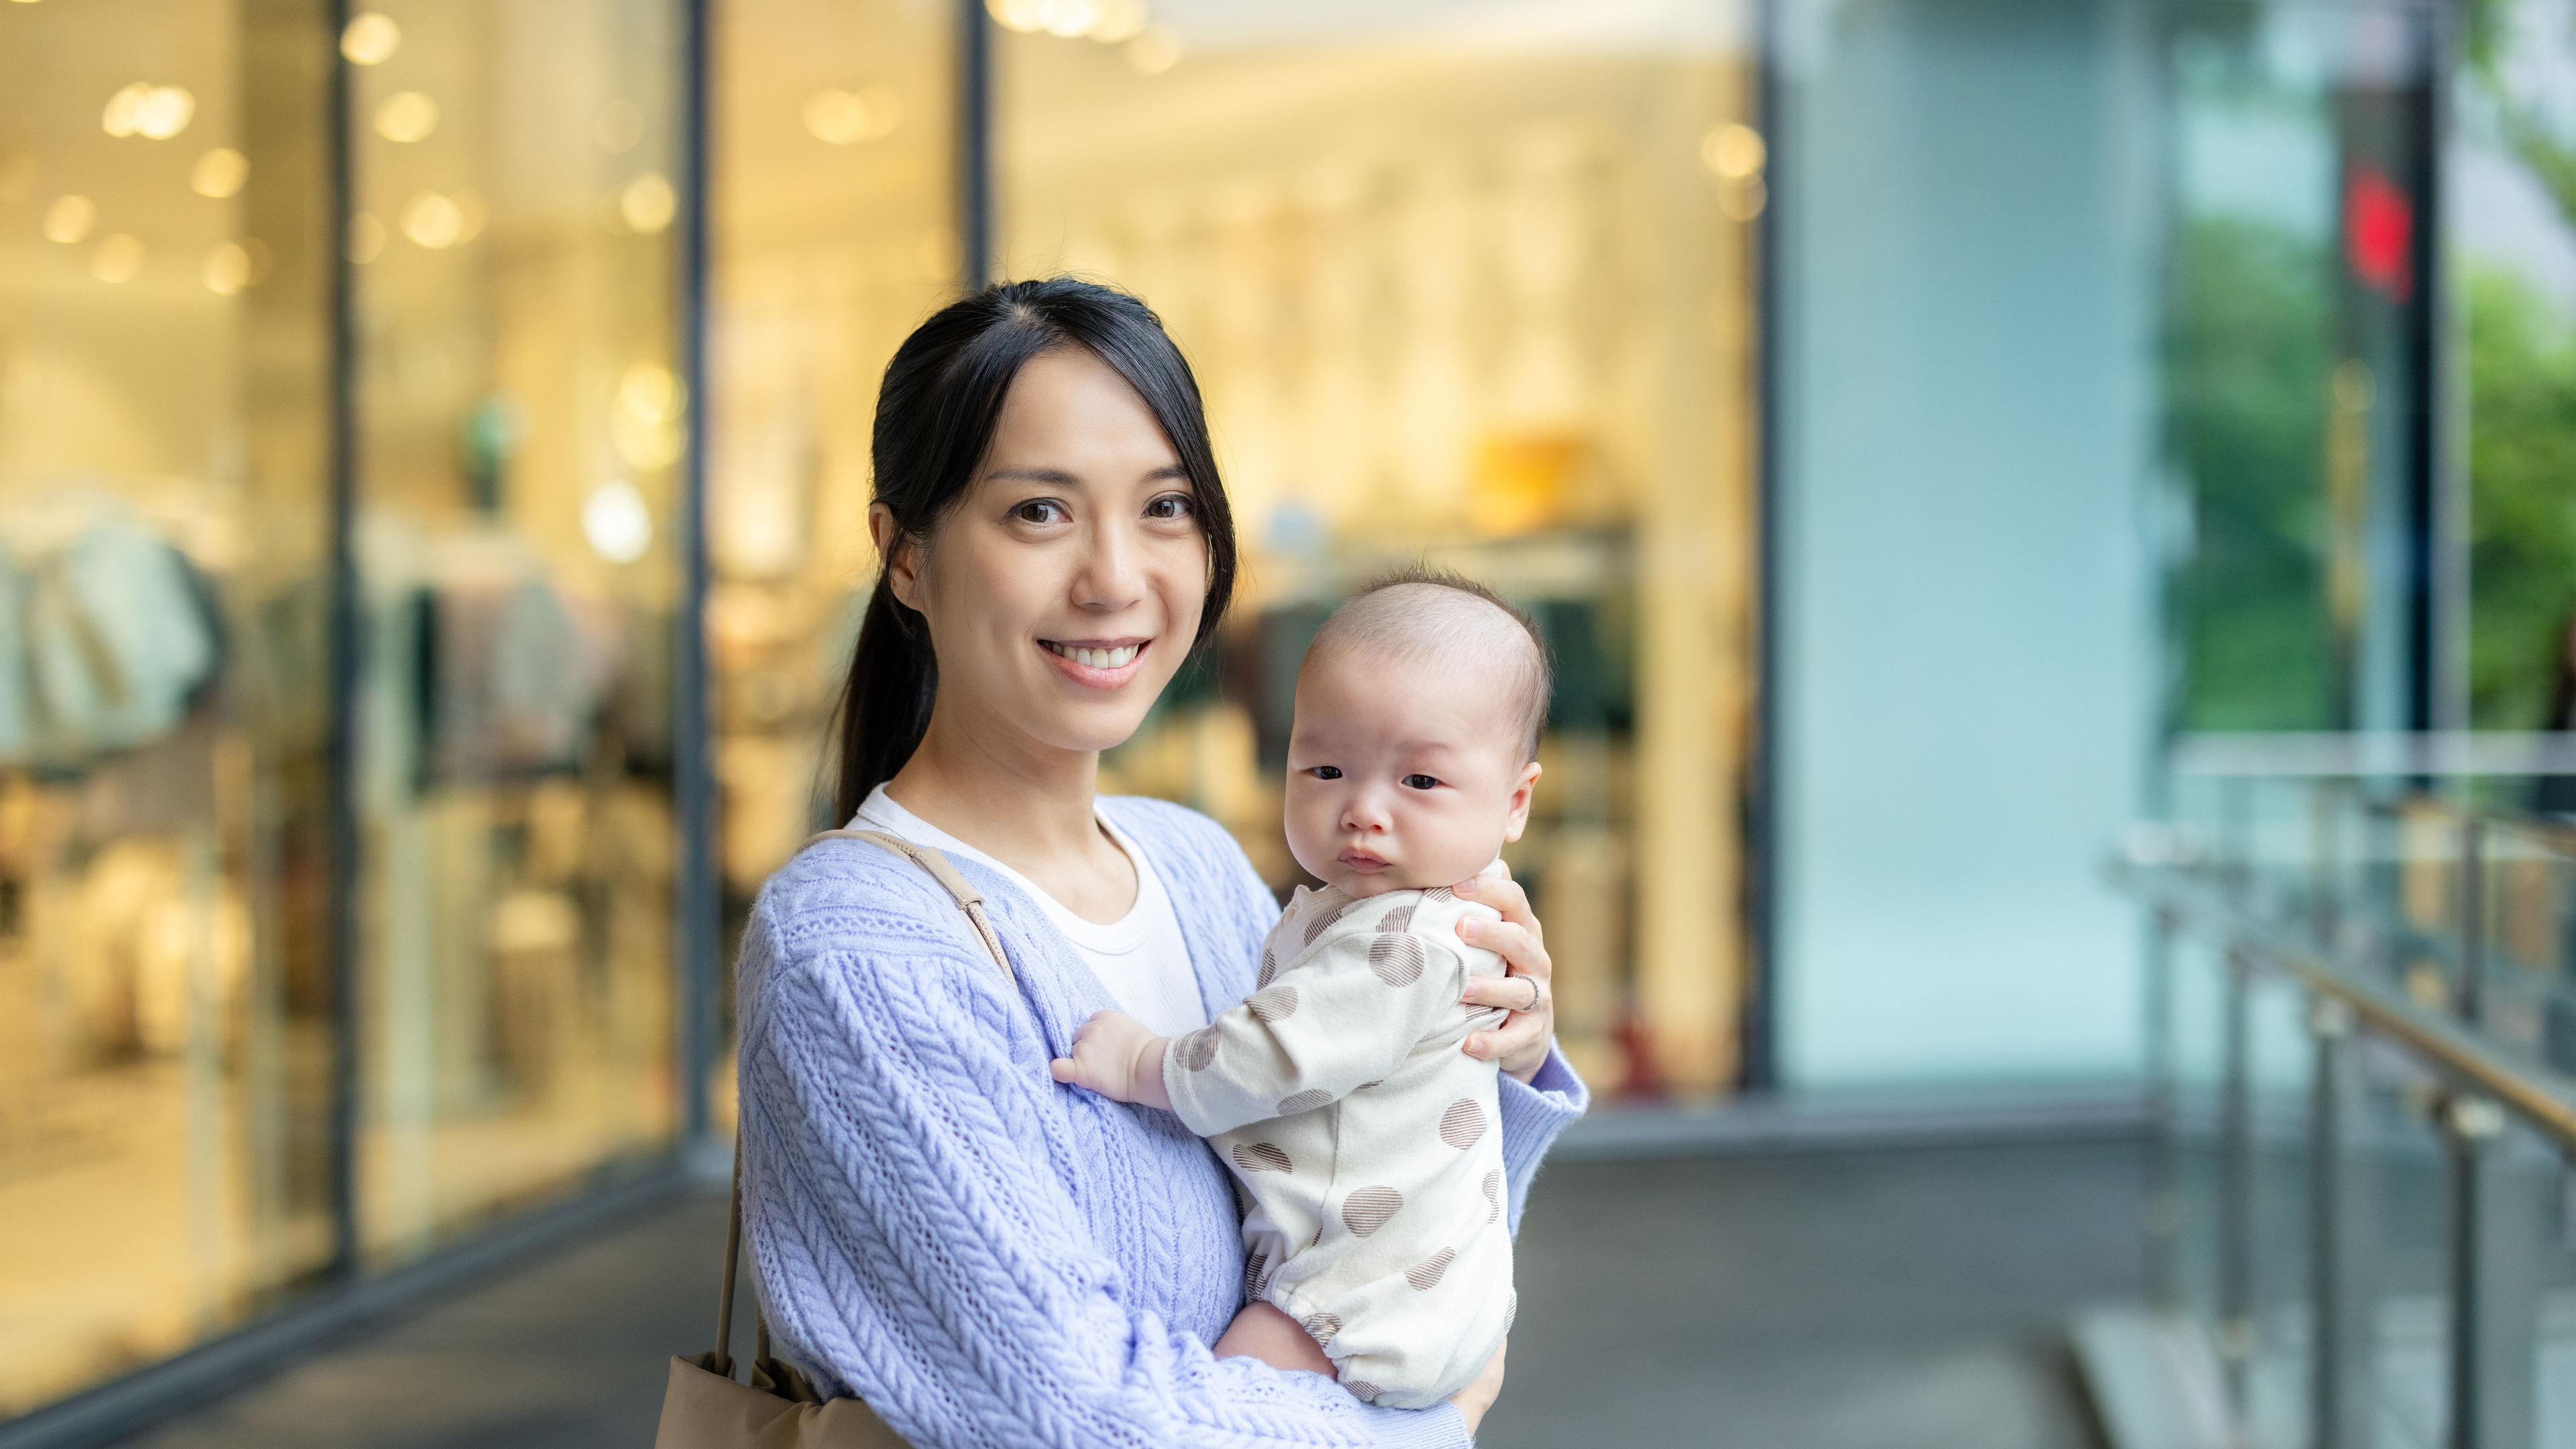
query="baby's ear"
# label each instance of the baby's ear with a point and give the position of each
(1516, 819)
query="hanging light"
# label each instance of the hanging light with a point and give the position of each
(69, 218)
(219, 173)
(406, 116)
(370, 39)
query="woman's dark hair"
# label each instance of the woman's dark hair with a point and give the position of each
(936, 412)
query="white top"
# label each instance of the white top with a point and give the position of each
(1140, 957)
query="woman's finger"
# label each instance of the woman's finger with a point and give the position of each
(1505, 896)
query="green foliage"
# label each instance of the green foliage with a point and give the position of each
(2522, 498)
(2247, 362)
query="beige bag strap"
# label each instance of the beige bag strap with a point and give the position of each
(969, 900)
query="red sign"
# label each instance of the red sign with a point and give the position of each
(2378, 232)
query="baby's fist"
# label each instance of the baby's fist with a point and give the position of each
(1117, 1056)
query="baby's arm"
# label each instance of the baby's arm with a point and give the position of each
(1263, 1332)
(1117, 1056)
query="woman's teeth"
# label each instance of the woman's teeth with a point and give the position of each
(1096, 658)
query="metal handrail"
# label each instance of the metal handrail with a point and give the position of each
(2183, 895)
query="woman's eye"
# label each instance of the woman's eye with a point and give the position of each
(1326, 772)
(1039, 510)
(1171, 506)
(1420, 782)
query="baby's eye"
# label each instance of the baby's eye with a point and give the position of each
(1420, 782)
(1326, 772)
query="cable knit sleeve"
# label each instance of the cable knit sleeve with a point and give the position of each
(918, 1245)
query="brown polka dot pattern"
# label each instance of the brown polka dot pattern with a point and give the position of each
(1367, 1209)
(1440, 893)
(1425, 1275)
(1462, 1124)
(1399, 919)
(1322, 921)
(1253, 1282)
(1321, 1326)
(1197, 1051)
(1397, 960)
(1262, 1157)
(1304, 1102)
(1494, 1194)
(1269, 967)
(1276, 1004)
(1362, 1389)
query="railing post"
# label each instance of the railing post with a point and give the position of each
(2236, 1187)
(2341, 1342)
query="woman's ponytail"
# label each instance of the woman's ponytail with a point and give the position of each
(936, 411)
(885, 707)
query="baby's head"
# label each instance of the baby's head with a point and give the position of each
(1416, 741)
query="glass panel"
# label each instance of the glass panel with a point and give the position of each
(2275, 1385)
(2392, 1209)
(1466, 287)
(520, 423)
(834, 237)
(164, 1046)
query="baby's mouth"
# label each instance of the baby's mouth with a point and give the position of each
(1362, 861)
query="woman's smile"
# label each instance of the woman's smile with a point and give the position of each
(1097, 663)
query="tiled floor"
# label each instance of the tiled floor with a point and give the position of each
(1872, 1298)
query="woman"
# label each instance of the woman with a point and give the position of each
(984, 1256)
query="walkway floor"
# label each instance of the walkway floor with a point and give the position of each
(1848, 1299)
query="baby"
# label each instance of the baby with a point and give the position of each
(1364, 1136)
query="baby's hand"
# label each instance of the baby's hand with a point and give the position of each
(1117, 1056)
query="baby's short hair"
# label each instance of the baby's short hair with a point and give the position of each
(1422, 613)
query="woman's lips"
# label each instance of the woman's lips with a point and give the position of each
(1361, 861)
(1088, 662)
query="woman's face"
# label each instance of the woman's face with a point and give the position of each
(1064, 589)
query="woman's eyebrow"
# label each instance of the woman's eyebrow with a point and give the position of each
(1053, 476)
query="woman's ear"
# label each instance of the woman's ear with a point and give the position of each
(1516, 819)
(898, 555)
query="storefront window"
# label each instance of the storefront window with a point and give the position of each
(165, 1051)
(836, 211)
(1467, 286)
(520, 422)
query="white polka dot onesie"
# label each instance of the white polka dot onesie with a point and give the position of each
(1364, 1138)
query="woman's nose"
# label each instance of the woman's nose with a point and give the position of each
(1108, 578)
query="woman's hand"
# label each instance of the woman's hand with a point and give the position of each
(1520, 1044)
(1473, 1400)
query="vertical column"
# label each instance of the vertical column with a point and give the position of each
(974, 144)
(2236, 1186)
(2342, 1358)
(341, 771)
(697, 952)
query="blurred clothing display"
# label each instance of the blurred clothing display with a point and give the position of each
(105, 637)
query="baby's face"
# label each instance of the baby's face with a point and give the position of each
(1403, 774)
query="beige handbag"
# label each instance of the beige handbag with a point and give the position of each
(704, 1407)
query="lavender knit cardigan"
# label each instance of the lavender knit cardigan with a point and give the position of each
(989, 1258)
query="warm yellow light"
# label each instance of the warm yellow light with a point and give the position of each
(433, 221)
(1069, 18)
(648, 202)
(144, 109)
(219, 173)
(69, 218)
(1020, 15)
(228, 269)
(1119, 20)
(469, 210)
(617, 127)
(617, 522)
(406, 116)
(1156, 49)
(119, 258)
(370, 39)
(17, 177)
(366, 240)
(846, 118)
(1734, 150)
(651, 393)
